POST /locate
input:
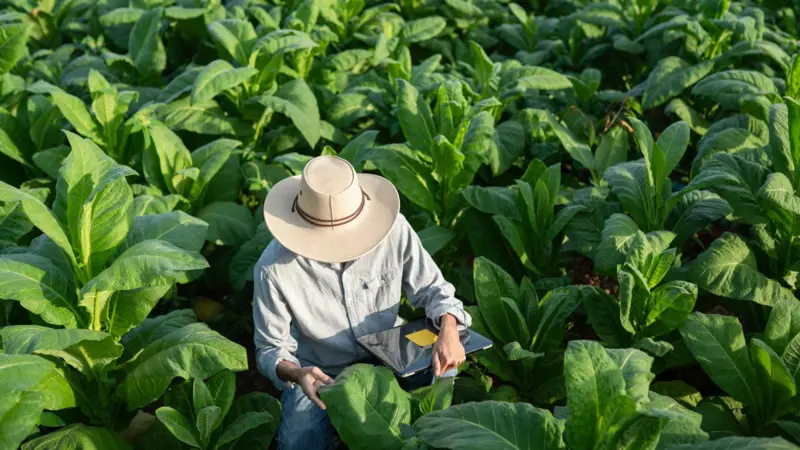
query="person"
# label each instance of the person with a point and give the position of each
(334, 271)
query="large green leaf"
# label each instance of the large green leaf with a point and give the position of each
(735, 180)
(166, 157)
(407, 174)
(39, 215)
(367, 407)
(670, 77)
(636, 370)
(694, 212)
(248, 410)
(147, 264)
(776, 382)
(194, 351)
(240, 270)
(618, 233)
(228, 223)
(218, 76)
(718, 344)
(155, 328)
(127, 309)
(579, 151)
(422, 29)
(179, 425)
(593, 381)
(491, 424)
(145, 47)
(414, 115)
(177, 228)
(731, 87)
(740, 443)
(667, 307)
(554, 310)
(29, 339)
(13, 40)
(79, 437)
(728, 269)
(296, 101)
(211, 160)
(34, 373)
(41, 288)
(235, 36)
(783, 324)
(202, 118)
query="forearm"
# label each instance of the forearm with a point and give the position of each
(287, 371)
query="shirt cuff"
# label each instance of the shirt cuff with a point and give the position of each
(269, 365)
(462, 317)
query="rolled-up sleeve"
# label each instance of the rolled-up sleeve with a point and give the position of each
(272, 322)
(424, 283)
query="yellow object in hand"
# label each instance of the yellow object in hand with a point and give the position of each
(423, 338)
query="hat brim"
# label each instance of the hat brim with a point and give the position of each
(332, 244)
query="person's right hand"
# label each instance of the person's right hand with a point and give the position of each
(310, 379)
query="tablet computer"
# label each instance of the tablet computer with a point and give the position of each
(408, 349)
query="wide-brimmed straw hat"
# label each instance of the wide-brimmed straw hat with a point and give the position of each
(331, 213)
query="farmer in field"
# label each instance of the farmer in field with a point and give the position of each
(340, 256)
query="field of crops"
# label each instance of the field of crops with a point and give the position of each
(613, 187)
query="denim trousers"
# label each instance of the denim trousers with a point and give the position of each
(304, 426)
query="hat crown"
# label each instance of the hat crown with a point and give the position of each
(329, 189)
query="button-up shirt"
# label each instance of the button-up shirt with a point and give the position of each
(310, 313)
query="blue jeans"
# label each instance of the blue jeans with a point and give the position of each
(304, 426)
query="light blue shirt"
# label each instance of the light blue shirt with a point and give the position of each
(310, 313)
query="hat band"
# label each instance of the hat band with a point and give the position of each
(333, 222)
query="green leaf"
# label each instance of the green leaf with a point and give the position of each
(235, 37)
(166, 157)
(617, 238)
(722, 417)
(670, 77)
(667, 308)
(41, 288)
(147, 264)
(367, 406)
(78, 437)
(228, 223)
(435, 397)
(31, 373)
(492, 200)
(434, 238)
(779, 201)
(407, 174)
(593, 381)
(603, 315)
(737, 181)
(206, 422)
(248, 410)
(673, 142)
(629, 183)
(155, 328)
(194, 351)
(202, 118)
(414, 115)
(718, 344)
(222, 388)
(740, 443)
(728, 269)
(244, 423)
(783, 324)
(218, 76)
(509, 146)
(422, 29)
(554, 309)
(491, 424)
(177, 228)
(612, 150)
(296, 101)
(178, 425)
(636, 370)
(356, 150)
(687, 114)
(776, 383)
(577, 150)
(515, 352)
(145, 47)
(13, 40)
(240, 270)
(76, 113)
(694, 212)
(29, 339)
(730, 87)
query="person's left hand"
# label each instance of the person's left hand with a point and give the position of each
(448, 353)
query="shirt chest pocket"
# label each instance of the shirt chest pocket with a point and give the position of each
(381, 289)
